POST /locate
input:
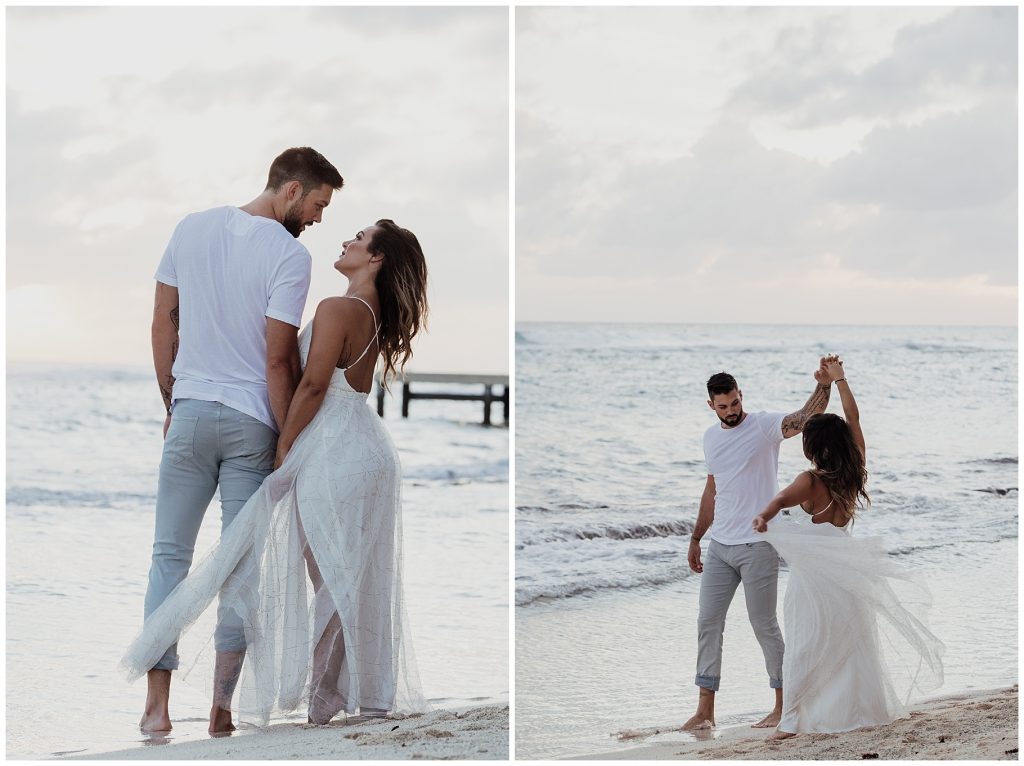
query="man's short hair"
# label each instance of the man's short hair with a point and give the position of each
(305, 165)
(721, 383)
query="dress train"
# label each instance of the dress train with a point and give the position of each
(858, 644)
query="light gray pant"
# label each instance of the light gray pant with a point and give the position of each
(756, 565)
(207, 444)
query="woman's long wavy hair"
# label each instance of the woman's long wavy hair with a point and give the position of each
(402, 288)
(828, 443)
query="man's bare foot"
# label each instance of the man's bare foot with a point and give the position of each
(220, 721)
(155, 722)
(700, 721)
(769, 721)
(779, 734)
(155, 717)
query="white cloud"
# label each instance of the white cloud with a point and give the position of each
(959, 160)
(880, 141)
(934, 65)
(122, 120)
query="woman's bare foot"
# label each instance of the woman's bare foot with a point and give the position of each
(220, 721)
(779, 734)
(769, 721)
(324, 706)
(700, 721)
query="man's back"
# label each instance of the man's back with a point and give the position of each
(232, 271)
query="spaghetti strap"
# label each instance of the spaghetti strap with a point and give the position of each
(372, 313)
(376, 329)
(824, 509)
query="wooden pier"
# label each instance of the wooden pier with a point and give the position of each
(486, 395)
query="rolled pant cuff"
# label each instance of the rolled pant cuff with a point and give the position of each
(710, 682)
(166, 664)
(229, 646)
(775, 683)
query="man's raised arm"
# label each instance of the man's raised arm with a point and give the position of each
(793, 423)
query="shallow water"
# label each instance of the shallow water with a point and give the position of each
(83, 449)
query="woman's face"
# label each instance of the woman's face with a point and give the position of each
(355, 252)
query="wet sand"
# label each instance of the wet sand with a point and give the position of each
(480, 733)
(980, 725)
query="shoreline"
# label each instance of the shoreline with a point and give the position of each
(968, 725)
(478, 733)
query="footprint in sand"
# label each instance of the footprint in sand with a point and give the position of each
(643, 733)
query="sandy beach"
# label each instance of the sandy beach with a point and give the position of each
(479, 733)
(980, 725)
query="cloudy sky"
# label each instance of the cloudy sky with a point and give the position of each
(789, 165)
(120, 121)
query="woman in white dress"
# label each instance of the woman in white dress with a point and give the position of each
(857, 644)
(331, 510)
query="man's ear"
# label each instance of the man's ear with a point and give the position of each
(293, 190)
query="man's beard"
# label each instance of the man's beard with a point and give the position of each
(293, 219)
(731, 420)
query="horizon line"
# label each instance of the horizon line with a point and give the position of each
(757, 324)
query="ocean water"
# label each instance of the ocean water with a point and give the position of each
(83, 447)
(609, 472)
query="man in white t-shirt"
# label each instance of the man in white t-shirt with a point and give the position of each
(742, 456)
(230, 292)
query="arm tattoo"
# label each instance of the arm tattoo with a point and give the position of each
(818, 401)
(794, 422)
(164, 376)
(166, 389)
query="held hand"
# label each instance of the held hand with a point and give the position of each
(834, 368)
(760, 525)
(820, 376)
(167, 424)
(282, 453)
(693, 556)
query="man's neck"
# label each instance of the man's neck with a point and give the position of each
(261, 206)
(727, 427)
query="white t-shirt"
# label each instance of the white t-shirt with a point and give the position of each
(232, 271)
(745, 463)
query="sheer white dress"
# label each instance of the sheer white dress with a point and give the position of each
(857, 640)
(312, 565)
